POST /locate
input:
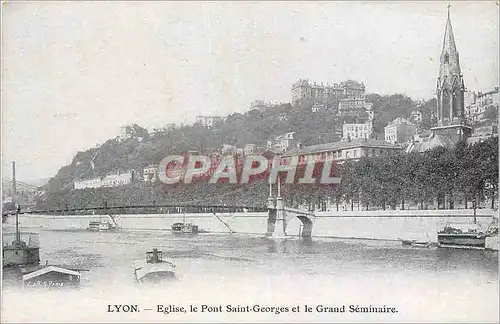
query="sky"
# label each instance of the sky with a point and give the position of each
(73, 73)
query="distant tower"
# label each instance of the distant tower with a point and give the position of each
(450, 90)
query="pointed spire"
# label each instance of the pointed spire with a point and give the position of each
(449, 55)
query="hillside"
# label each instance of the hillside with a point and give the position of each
(254, 127)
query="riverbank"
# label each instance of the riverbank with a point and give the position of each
(378, 225)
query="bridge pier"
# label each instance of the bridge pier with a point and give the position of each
(277, 218)
(280, 224)
(271, 218)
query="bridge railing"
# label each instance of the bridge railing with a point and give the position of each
(151, 209)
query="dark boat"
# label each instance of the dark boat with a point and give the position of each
(184, 228)
(21, 263)
(462, 236)
(101, 225)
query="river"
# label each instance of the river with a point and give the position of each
(247, 269)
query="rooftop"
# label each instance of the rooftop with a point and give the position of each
(342, 145)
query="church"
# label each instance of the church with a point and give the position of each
(451, 126)
(450, 89)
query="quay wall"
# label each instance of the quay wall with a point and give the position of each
(381, 225)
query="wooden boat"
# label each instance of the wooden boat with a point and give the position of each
(462, 235)
(154, 269)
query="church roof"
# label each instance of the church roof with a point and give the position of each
(433, 142)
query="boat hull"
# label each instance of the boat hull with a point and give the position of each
(472, 240)
(183, 229)
(154, 272)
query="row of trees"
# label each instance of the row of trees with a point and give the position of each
(442, 176)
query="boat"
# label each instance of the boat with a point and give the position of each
(184, 228)
(415, 243)
(462, 236)
(492, 239)
(103, 225)
(21, 263)
(154, 269)
(51, 276)
(21, 259)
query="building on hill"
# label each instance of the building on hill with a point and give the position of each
(343, 151)
(482, 133)
(399, 131)
(110, 180)
(354, 106)
(284, 142)
(476, 104)
(229, 149)
(208, 121)
(319, 92)
(416, 116)
(131, 131)
(450, 90)
(262, 105)
(356, 131)
(318, 107)
(250, 148)
(149, 173)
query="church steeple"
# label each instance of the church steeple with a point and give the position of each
(449, 59)
(450, 87)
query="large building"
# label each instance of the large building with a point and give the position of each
(450, 91)
(476, 104)
(400, 130)
(343, 151)
(303, 89)
(208, 121)
(111, 180)
(354, 106)
(284, 142)
(355, 131)
(262, 105)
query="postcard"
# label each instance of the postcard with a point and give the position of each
(233, 161)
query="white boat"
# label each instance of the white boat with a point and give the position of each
(51, 276)
(103, 225)
(154, 269)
